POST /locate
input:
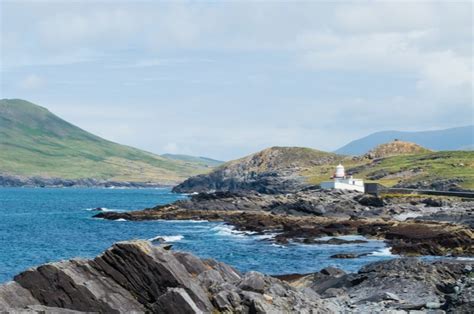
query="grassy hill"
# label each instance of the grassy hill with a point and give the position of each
(203, 161)
(405, 168)
(272, 170)
(285, 168)
(396, 148)
(460, 138)
(35, 142)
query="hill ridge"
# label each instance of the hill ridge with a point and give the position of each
(395, 148)
(34, 142)
(456, 138)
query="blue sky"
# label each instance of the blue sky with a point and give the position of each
(225, 79)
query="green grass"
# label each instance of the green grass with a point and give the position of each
(204, 161)
(431, 166)
(34, 142)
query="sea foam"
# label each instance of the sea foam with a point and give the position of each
(174, 238)
(386, 251)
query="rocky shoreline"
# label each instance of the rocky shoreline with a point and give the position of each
(141, 277)
(42, 182)
(410, 226)
(137, 277)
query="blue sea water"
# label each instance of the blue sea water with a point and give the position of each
(46, 225)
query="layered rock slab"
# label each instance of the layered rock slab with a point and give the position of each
(136, 277)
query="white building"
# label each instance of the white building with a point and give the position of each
(341, 182)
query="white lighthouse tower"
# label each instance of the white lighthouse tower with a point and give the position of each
(340, 173)
(341, 182)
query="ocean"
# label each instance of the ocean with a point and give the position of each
(42, 225)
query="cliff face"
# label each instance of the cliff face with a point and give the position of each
(273, 170)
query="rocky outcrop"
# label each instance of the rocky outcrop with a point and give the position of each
(273, 170)
(433, 184)
(19, 181)
(399, 284)
(411, 225)
(308, 202)
(406, 238)
(395, 148)
(136, 277)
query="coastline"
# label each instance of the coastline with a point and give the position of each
(11, 181)
(427, 227)
(143, 277)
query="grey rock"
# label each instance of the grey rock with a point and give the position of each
(226, 300)
(76, 285)
(209, 278)
(253, 281)
(137, 277)
(193, 264)
(433, 305)
(175, 301)
(333, 292)
(148, 272)
(332, 271)
(12, 295)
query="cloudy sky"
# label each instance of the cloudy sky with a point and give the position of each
(225, 79)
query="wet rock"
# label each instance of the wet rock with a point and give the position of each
(345, 255)
(337, 241)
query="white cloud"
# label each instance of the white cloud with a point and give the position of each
(32, 82)
(291, 66)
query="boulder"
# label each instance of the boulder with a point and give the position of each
(175, 301)
(253, 281)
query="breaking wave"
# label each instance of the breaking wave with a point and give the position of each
(386, 251)
(174, 238)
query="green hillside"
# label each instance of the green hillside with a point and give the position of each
(35, 142)
(204, 161)
(405, 168)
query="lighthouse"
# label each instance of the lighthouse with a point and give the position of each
(341, 182)
(340, 173)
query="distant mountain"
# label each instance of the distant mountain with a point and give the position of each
(36, 143)
(461, 138)
(204, 161)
